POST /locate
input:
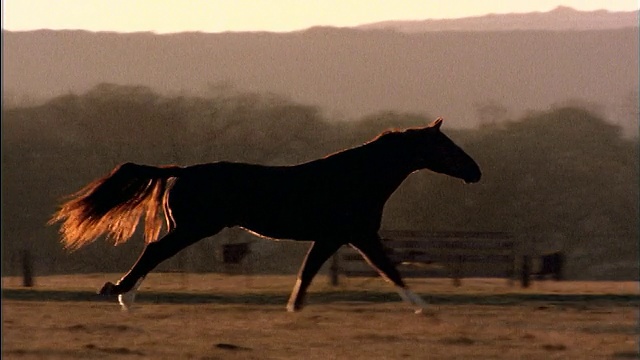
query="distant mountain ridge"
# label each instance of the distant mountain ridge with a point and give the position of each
(561, 18)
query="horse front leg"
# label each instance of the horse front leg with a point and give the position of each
(317, 255)
(374, 253)
(153, 254)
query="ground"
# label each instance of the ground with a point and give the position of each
(188, 316)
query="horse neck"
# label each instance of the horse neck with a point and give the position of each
(380, 167)
(394, 174)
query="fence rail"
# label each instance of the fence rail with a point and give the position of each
(454, 254)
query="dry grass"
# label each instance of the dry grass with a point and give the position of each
(247, 320)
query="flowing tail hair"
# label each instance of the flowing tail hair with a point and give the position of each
(114, 204)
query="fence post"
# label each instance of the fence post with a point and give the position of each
(457, 271)
(27, 269)
(560, 259)
(335, 267)
(526, 271)
(511, 271)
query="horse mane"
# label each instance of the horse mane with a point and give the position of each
(385, 133)
(361, 146)
(394, 131)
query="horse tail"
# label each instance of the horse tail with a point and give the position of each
(113, 205)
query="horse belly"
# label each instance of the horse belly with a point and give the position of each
(282, 223)
(307, 222)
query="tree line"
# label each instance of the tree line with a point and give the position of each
(563, 178)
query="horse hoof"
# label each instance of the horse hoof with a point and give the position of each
(107, 289)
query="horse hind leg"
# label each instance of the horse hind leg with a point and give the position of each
(153, 254)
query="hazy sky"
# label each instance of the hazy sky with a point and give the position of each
(164, 16)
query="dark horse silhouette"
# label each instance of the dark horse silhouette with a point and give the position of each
(333, 201)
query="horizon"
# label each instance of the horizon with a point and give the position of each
(170, 16)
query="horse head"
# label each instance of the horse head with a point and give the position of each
(429, 148)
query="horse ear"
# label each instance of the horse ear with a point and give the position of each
(435, 124)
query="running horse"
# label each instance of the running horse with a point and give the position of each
(330, 202)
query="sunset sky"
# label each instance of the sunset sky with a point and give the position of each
(166, 16)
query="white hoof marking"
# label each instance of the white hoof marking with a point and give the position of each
(127, 299)
(413, 299)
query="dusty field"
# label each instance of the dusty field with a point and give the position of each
(224, 317)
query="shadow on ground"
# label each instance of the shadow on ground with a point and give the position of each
(327, 297)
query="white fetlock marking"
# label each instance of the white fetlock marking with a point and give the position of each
(127, 299)
(404, 294)
(291, 305)
(417, 300)
(413, 298)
